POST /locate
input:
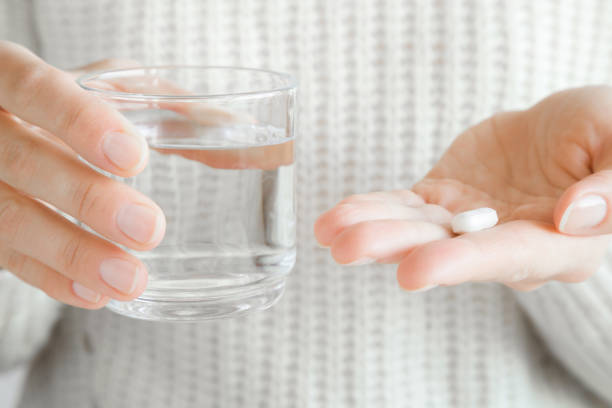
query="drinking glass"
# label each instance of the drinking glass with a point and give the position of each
(221, 167)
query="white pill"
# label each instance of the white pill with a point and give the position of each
(474, 220)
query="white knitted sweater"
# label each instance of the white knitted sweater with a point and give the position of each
(385, 86)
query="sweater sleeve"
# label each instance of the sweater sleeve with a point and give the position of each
(26, 318)
(575, 320)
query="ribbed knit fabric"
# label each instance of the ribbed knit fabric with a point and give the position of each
(385, 86)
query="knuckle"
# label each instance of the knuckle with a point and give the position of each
(358, 239)
(29, 83)
(72, 255)
(346, 212)
(85, 198)
(12, 217)
(15, 262)
(364, 231)
(70, 117)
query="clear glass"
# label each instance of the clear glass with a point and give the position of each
(221, 167)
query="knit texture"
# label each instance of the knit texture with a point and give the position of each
(384, 88)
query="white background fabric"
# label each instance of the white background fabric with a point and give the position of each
(385, 86)
(11, 384)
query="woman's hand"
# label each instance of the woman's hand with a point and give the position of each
(47, 120)
(548, 173)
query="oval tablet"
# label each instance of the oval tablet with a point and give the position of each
(474, 220)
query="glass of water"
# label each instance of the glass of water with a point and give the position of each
(221, 167)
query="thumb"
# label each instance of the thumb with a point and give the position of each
(584, 208)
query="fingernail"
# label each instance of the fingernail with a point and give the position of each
(141, 223)
(127, 151)
(362, 261)
(85, 293)
(586, 212)
(120, 274)
(424, 288)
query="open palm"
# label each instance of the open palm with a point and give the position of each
(529, 166)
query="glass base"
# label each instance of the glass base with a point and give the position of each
(210, 305)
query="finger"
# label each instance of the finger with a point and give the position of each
(266, 157)
(145, 81)
(44, 170)
(49, 281)
(259, 157)
(451, 193)
(524, 286)
(517, 251)
(584, 208)
(348, 213)
(34, 230)
(384, 240)
(49, 98)
(404, 197)
(105, 64)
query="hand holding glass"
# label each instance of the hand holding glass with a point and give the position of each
(221, 168)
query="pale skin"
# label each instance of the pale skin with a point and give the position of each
(38, 160)
(46, 122)
(529, 166)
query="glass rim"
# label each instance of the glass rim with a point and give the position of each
(290, 84)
